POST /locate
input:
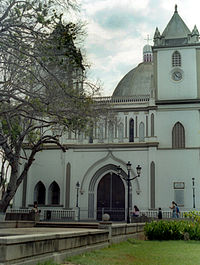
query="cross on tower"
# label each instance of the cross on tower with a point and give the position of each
(148, 39)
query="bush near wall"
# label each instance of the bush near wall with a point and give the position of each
(172, 230)
(193, 215)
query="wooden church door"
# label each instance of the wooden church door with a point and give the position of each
(111, 197)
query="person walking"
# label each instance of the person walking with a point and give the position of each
(177, 211)
(173, 207)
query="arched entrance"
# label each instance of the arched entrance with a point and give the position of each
(111, 197)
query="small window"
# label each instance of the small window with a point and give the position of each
(176, 59)
(179, 193)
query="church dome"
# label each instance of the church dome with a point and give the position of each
(136, 82)
(147, 49)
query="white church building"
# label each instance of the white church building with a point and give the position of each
(156, 125)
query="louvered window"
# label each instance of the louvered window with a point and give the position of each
(176, 59)
(178, 136)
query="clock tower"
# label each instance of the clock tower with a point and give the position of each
(176, 62)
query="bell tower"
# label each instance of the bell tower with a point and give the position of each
(176, 55)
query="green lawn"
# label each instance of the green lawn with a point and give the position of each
(141, 252)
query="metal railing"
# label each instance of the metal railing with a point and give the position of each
(59, 215)
(165, 214)
(19, 210)
(115, 214)
(50, 214)
(82, 214)
(122, 100)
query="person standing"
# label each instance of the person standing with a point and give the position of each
(35, 207)
(136, 211)
(173, 207)
(159, 213)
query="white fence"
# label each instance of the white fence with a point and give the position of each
(53, 214)
(50, 214)
(165, 214)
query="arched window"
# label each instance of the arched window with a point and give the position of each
(141, 132)
(110, 132)
(152, 124)
(39, 193)
(69, 134)
(67, 187)
(131, 130)
(91, 133)
(121, 132)
(80, 136)
(54, 193)
(178, 136)
(176, 59)
(100, 133)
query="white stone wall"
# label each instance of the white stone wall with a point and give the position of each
(187, 87)
(166, 119)
(176, 166)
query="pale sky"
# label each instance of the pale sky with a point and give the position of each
(117, 30)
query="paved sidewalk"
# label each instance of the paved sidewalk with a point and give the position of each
(40, 230)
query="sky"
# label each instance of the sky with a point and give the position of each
(117, 30)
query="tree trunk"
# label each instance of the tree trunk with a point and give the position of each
(5, 201)
(15, 177)
(11, 188)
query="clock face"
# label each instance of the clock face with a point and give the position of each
(177, 75)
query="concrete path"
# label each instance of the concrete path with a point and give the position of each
(41, 230)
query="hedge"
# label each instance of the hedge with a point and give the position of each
(172, 230)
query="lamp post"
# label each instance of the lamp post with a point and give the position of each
(193, 192)
(77, 192)
(128, 179)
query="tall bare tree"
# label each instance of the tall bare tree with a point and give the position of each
(42, 84)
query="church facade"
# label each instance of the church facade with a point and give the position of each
(156, 124)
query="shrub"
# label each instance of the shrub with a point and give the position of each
(193, 215)
(172, 230)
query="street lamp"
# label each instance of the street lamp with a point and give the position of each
(128, 180)
(193, 191)
(77, 193)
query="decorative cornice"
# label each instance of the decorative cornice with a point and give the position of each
(101, 146)
(134, 108)
(179, 149)
(154, 48)
(177, 101)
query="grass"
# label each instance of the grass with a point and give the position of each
(47, 263)
(141, 252)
